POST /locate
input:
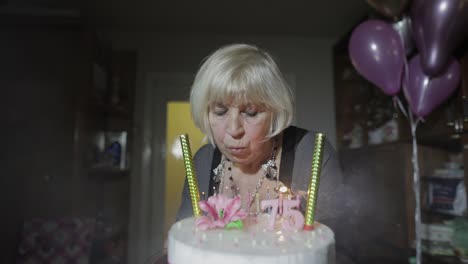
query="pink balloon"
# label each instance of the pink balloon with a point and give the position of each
(425, 93)
(377, 53)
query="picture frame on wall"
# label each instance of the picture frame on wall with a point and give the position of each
(109, 151)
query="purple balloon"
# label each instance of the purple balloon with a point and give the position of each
(439, 27)
(425, 93)
(377, 53)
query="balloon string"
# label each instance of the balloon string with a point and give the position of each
(404, 81)
(416, 188)
(397, 103)
(405, 73)
(396, 99)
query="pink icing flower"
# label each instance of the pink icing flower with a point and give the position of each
(220, 211)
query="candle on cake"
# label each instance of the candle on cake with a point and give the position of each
(314, 181)
(284, 210)
(281, 193)
(190, 174)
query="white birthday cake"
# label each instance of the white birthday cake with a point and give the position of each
(227, 235)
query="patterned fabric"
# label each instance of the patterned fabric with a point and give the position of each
(61, 241)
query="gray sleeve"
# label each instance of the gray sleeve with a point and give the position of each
(333, 206)
(331, 176)
(202, 163)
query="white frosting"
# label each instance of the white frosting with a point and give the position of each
(253, 244)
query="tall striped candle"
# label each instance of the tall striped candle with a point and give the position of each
(190, 174)
(314, 181)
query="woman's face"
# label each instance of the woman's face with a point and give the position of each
(239, 131)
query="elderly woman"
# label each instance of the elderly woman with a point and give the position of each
(241, 101)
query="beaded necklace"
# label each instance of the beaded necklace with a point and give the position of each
(223, 173)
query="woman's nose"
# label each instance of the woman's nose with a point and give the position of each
(234, 127)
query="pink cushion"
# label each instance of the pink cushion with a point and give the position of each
(66, 240)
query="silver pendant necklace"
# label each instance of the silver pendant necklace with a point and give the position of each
(223, 173)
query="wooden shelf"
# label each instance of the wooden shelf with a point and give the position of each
(110, 110)
(431, 259)
(450, 143)
(108, 174)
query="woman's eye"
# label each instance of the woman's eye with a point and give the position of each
(251, 113)
(219, 111)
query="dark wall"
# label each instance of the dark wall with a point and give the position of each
(42, 71)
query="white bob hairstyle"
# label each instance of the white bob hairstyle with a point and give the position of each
(245, 74)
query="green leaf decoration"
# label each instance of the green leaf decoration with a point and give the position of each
(235, 225)
(221, 214)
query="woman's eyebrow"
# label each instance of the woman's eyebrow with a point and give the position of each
(217, 104)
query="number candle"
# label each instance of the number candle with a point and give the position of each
(314, 181)
(257, 203)
(282, 190)
(190, 174)
(292, 218)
